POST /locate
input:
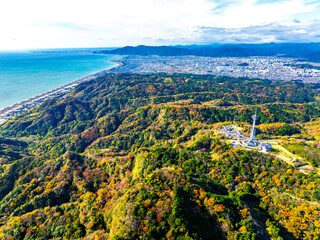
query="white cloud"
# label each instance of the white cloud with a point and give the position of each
(75, 23)
(244, 13)
(261, 34)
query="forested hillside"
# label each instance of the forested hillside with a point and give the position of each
(138, 157)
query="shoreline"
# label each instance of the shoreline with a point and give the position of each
(16, 109)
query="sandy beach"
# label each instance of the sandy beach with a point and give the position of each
(21, 107)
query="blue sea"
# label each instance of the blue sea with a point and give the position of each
(25, 74)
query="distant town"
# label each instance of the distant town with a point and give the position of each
(272, 68)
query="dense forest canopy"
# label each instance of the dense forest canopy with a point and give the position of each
(118, 158)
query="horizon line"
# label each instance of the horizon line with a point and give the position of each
(136, 45)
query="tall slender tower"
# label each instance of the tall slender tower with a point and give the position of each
(66, 145)
(253, 131)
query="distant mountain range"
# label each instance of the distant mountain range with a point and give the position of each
(309, 51)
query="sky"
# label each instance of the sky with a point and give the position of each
(114, 23)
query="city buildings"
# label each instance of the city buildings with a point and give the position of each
(271, 68)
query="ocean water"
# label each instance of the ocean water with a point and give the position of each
(25, 74)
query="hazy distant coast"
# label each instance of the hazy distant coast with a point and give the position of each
(119, 63)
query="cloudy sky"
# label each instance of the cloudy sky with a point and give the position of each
(27, 24)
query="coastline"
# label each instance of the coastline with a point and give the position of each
(25, 105)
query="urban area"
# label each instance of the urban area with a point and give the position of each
(272, 68)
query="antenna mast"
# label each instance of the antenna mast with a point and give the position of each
(253, 131)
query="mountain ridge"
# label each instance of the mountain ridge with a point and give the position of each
(309, 51)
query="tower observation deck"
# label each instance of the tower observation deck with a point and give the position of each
(246, 142)
(252, 139)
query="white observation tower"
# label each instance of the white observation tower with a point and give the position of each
(252, 141)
